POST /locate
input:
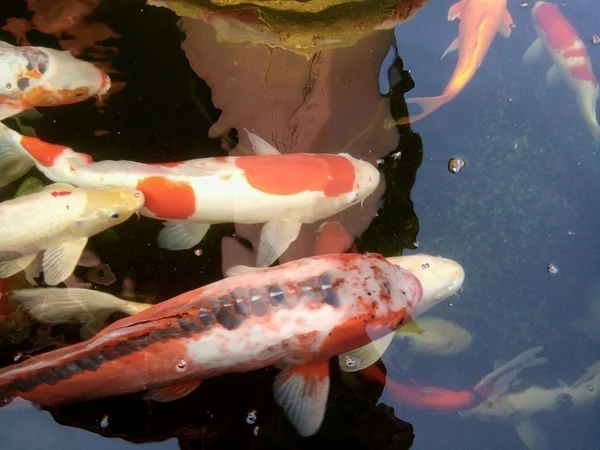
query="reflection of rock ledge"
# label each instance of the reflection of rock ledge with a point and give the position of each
(304, 27)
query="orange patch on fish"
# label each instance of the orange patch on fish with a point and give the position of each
(42, 152)
(294, 173)
(60, 193)
(576, 53)
(583, 72)
(168, 199)
(559, 33)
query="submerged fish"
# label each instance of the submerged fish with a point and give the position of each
(480, 20)
(571, 61)
(524, 407)
(57, 223)
(282, 191)
(36, 76)
(297, 315)
(440, 399)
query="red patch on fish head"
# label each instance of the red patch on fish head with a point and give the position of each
(41, 151)
(294, 173)
(582, 72)
(60, 193)
(559, 33)
(168, 199)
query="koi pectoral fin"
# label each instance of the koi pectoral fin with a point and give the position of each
(180, 235)
(531, 434)
(260, 146)
(534, 53)
(275, 238)
(455, 10)
(553, 76)
(59, 262)
(454, 45)
(13, 162)
(172, 392)
(302, 392)
(365, 356)
(9, 268)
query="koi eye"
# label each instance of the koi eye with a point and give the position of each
(114, 215)
(8, 86)
(181, 366)
(42, 68)
(137, 194)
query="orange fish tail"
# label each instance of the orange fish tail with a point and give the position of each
(427, 105)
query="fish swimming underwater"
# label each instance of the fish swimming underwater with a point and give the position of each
(440, 399)
(524, 408)
(480, 20)
(90, 306)
(31, 77)
(571, 61)
(57, 223)
(282, 191)
(297, 315)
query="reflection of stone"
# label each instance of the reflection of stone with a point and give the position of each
(327, 104)
(301, 26)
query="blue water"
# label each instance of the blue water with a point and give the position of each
(527, 197)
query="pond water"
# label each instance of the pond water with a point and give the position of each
(521, 215)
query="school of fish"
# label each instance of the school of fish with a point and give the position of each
(297, 315)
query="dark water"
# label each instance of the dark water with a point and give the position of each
(527, 197)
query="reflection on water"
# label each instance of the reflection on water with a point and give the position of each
(328, 86)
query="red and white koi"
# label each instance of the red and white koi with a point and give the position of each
(571, 60)
(480, 21)
(282, 191)
(31, 77)
(56, 224)
(297, 315)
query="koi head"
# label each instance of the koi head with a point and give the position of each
(439, 277)
(36, 76)
(107, 207)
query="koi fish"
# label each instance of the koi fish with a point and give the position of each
(439, 399)
(57, 223)
(571, 60)
(297, 315)
(282, 191)
(480, 20)
(58, 305)
(524, 407)
(31, 77)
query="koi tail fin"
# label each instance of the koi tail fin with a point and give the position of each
(427, 105)
(499, 380)
(59, 305)
(595, 130)
(14, 160)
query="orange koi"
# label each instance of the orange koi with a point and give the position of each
(480, 20)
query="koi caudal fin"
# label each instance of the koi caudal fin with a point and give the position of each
(427, 105)
(500, 379)
(14, 160)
